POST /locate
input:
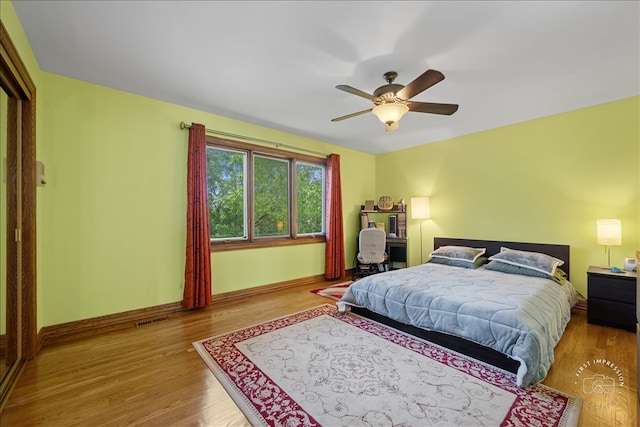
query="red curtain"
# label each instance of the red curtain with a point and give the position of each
(334, 252)
(197, 271)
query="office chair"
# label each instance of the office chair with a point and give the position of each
(371, 255)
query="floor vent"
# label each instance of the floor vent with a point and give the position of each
(151, 321)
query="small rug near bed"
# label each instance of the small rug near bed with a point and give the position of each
(322, 368)
(333, 292)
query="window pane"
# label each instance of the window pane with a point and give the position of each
(227, 197)
(270, 197)
(310, 198)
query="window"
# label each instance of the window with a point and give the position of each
(263, 197)
(310, 198)
(226, 182)
(270, 196)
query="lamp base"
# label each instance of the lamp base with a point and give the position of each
(612, 269)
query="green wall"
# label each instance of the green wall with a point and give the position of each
(114, 232)
(545, 180)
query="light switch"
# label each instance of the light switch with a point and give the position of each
(40, 174)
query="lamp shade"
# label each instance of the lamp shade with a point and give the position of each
(609, 232)
(419, 207)
(390, 113)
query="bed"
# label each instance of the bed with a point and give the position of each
(509, 308)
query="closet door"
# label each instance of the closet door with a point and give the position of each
(7, 332)
(17, 216)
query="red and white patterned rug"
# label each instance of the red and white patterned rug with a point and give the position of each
(322, 368)
(333, 292)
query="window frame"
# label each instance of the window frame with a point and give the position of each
(252, 242)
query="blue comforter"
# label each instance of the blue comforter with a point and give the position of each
(520, 316)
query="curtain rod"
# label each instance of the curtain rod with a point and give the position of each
(184, 125)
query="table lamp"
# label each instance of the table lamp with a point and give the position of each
(609, 234)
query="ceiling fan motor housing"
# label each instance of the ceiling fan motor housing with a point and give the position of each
(387, 93)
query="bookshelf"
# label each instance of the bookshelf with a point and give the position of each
(396, 242)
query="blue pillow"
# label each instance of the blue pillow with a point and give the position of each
(535, 261)
(559, 277)
(459, 263)
(459, 253)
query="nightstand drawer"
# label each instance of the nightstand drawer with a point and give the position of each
(612, 298)
(612, 288)
(611, 313)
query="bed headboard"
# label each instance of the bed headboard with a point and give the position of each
(493, 247)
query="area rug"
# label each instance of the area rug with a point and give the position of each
(333, 292)
(322, 368)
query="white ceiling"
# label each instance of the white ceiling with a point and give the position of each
(276, 63)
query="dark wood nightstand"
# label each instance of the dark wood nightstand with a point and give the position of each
(612, 298)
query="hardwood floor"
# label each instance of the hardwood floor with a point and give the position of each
(151, 376)
(590, 347)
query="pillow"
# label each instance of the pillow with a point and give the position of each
(458, 253)
(459, 262)
(559, 277)
(535, 261)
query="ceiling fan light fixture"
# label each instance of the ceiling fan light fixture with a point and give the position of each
(391, 127)
(390, 113)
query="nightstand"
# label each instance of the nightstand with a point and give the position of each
(612, 298)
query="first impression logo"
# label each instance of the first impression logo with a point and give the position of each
(599, 382)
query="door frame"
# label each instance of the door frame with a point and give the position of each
(21, 206)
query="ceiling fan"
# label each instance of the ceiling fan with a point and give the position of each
(392, 100)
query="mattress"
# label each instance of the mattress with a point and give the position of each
(523, 317)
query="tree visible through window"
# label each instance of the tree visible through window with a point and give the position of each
(310, 200)
(270, 196)
(255, 194)
(226, 177)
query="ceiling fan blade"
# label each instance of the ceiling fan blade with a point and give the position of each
(354, 91)
(348, 116)
(433, 108)
(423, 82)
